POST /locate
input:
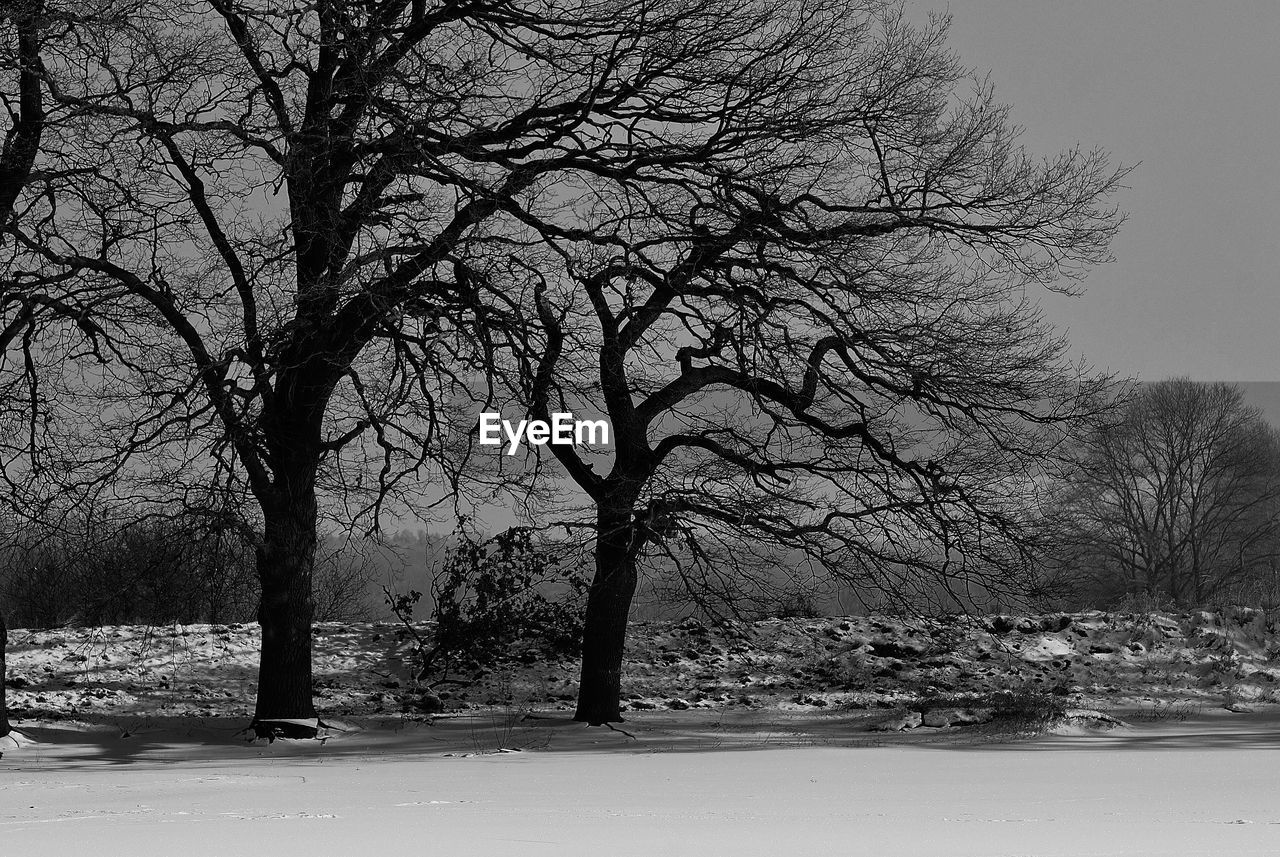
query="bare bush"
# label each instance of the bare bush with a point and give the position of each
(100, 568)
(491, 595)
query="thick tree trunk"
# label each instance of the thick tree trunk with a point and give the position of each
(22, 142)
(605, 631)
(4, 705)
(286, 560)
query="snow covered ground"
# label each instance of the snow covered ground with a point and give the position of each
(135, 747)
(851, 665)
(1205, 786)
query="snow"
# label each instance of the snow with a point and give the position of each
(847, 664)
(1198, 787)
(113, 762)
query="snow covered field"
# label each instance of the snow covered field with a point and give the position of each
(1206, 786)
(122, 765)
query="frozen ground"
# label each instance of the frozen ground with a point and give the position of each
(856, 664)
(684, 785)
(757, 739)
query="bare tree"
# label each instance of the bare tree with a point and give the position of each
(288, 249)
(805, 313)
(201, 319)
(344, 578)
(1177, 500)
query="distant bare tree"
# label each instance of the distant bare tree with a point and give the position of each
(1179, 500)
(804, 313)
(345, 573)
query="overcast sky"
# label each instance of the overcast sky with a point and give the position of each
(1189, 91)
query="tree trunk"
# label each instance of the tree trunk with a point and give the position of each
(605, 631)
(4, 705)
(286, 559)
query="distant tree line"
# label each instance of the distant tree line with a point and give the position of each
(106, 566)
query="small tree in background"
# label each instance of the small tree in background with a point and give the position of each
(344, 579)
(1176, 502)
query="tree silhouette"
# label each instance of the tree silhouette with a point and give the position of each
(805, 314)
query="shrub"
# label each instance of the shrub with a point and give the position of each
(490, 596)
(794, 604)
(108, 566)
(104, 568)
(1017, 709)
(1027, 710)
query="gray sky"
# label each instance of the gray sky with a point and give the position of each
(1189, 91)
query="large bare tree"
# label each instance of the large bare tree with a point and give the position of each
(257, 245)
(806, 314)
